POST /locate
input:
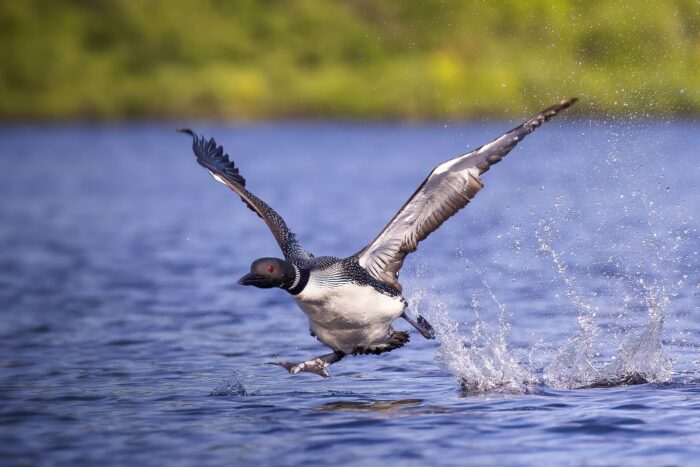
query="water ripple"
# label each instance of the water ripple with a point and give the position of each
(124, 339)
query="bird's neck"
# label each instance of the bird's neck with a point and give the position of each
(297, 281)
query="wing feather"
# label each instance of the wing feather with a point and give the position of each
(448, 189)
(212, 157)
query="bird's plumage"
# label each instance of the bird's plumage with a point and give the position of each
(352, 302)
(346, 315)
(446, 190)
(211, 156)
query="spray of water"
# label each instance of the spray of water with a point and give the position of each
(574, 363)
(480, 358)
(231, 386)
(642, 357)
(647, 252)
(483, 361)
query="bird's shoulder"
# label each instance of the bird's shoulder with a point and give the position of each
(331, 271)
(320, 263)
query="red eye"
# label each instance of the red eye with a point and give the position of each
(270, 269)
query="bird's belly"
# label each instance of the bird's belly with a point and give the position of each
(349, 316)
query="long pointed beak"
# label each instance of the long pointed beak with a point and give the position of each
(249, 279)
(245, 279)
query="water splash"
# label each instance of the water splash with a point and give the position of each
(231, 386)
(574, 364)
(480, 356)
(482, 362)
(642, 357)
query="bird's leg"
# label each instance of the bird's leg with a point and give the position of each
(316, 365)
(421, 324)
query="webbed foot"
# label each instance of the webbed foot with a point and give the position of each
(421, 324)
(317, 366)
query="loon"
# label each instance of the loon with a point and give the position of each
(352, 302)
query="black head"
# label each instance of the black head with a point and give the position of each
(266, 273)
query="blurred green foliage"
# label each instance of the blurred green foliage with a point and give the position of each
(247, 59)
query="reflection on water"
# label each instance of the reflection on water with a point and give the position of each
(372, 406)
(120, 313)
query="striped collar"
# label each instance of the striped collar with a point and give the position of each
(297, 277)
(301, 278)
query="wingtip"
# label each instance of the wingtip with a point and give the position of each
(550, 112)
(566, 103)
(186, 130)
(569, 101)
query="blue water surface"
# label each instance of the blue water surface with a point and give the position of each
(125, 341)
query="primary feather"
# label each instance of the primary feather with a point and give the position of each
(446, 190)
(212, 157)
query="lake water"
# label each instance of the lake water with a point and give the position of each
(124, 339)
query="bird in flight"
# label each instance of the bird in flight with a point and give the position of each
(352, 302)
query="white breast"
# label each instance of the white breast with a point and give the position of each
(348, 316)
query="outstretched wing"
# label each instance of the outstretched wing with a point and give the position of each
(212, 157)
(448, 188)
